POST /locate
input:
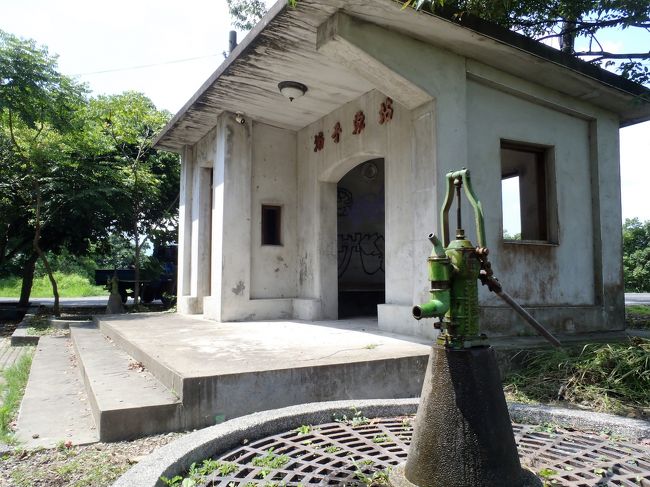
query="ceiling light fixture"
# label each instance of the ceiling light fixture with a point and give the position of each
(292, 89)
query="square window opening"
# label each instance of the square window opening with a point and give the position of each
(271, 225)
(526, 192)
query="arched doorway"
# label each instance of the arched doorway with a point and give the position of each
(360, 236)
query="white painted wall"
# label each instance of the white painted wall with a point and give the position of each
(274, 268)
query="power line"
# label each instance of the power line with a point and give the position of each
(144, 66)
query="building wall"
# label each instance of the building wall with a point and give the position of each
(318, 173)
(273, 268)
(536, 274)
(572, 285)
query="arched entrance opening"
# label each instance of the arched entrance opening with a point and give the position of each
(360, 236)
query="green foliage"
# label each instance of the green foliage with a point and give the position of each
(369, 476)
(565, 20)
(508, 236)
(303, 429)
(67, 263)
(11, 392)
(636, 255)
(73, 171)
(356, 419)
(70, 286)
(604, 377)
(269, 462)
(246, 13)
(198, 473)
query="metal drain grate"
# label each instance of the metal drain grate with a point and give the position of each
(354, 453)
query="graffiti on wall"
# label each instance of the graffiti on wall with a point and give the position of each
(365, 249)
(360, 226)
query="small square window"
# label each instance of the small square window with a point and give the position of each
(271, 225)
(526, 192)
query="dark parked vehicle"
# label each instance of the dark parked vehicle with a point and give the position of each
(157, 281)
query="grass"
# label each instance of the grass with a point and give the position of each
(637, 316)
(11, 392)
(611, 378)
(70, 286)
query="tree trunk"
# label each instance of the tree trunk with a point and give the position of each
(136, 290)
(568, 37)
(39, 251)
(28, 280)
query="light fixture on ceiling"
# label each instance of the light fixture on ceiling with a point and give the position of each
(292, 89)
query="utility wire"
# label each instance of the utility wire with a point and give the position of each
(144, 66)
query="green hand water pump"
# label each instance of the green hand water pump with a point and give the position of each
(455, 267)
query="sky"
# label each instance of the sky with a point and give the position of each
(168, 48)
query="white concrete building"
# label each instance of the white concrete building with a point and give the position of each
(296, 209)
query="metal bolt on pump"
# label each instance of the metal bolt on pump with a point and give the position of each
(462, 435)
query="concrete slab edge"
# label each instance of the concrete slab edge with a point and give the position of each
(176, 457)
(92, 400)
(20, 337)
(633, 429)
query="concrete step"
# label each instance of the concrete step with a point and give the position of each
(152, 358)
(55, 407)
(126, 400)
(20, 336)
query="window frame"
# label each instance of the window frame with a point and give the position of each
(547, 190)
(277, 209)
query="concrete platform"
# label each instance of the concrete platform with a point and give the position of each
(226, 370)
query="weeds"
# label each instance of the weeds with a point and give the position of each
(12, 392)
(357, 418)
(603, 377)
(198, 473)
(40, 326)
(371, 479)
(269, 462)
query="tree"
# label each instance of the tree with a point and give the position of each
(149, 179)
(73, 172)
(564, 20)
(37, 109)
(246, 13)
(636, 255)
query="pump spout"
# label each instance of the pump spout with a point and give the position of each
(439, 274)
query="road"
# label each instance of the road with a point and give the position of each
(71, 302)
(637, 298)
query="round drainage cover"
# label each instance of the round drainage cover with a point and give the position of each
(357, 451)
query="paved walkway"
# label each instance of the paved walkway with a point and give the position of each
(55, 408)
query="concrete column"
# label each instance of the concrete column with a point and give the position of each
(327, 252)
(608, 240)
(232, 232)
(185, 223)
(199, 268)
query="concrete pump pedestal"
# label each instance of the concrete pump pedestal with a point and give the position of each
(462, 435)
